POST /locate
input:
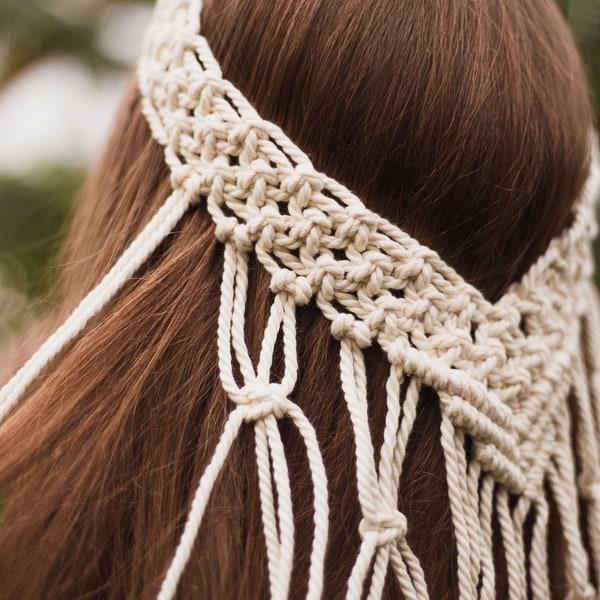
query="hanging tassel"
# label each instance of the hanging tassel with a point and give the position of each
(591, 339)
(539, 579)
(395, 440)
(464, 523)
(383, 527)
(562, 482)
(513, 547)
(261, 402)
(486, 500)
(588, 455)
(587, 381)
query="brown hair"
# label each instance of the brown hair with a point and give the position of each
(465, 123)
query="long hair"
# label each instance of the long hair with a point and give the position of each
(466, 125)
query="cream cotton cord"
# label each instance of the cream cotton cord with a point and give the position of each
(504, 373)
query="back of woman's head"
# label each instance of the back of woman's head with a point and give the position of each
(465, 123)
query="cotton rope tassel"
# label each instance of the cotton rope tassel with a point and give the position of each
(261, 402)
(383, 527)
(589, 368)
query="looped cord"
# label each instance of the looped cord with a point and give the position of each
(387, 527)
(262, 400)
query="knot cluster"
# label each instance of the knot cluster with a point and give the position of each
(387, 527)
(369, 278)
(261, 400)
(503, 373)
(297, 286)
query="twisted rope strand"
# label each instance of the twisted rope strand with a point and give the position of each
(153, 234)
(538, 556)
(486, 501)
(269, 517)
(450, 440)
(517, 589)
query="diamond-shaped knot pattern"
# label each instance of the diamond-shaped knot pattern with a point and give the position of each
(371, 279)
(505, 373)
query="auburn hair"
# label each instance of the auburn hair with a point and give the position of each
(465, 123)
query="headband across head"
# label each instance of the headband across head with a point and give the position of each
(503, 371)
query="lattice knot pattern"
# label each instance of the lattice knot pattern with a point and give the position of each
(502, 372)
(507, 374)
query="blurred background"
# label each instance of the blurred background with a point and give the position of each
(64, 65)
(63, 68)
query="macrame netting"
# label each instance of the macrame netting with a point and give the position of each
(514, 379)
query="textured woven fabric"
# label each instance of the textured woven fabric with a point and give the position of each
(503, 372)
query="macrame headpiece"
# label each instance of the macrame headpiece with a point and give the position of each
(503, 372)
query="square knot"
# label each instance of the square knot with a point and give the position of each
(589, 487)
(388, 527)
(262, 400)
(297, 286)
(225, 228)
(229, 230)
(586, 592)
(396, 349)
(302, 182)
(324, 275)
(345, 326)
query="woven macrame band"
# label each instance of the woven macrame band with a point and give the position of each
(503, 372)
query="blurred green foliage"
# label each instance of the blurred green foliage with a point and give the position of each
(33, 217)
(29, 31)
(32, 225)
(32, 29)
(584, 18)
(34, 207)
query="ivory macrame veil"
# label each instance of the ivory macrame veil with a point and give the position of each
(504, 372)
